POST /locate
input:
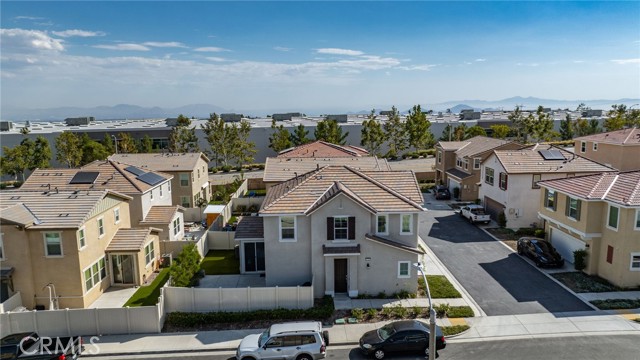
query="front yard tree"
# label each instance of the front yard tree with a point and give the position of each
(475, 131)
(500, 131)
(126, 144)
(394, 132)
(299, 136)
(418, 129)
(566, 128)
(69, 149)
(372, 136)
(280, 139)
(330, 131)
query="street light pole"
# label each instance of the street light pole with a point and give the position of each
(432, 315)
(115, 141)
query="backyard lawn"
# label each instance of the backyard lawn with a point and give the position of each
(148, 295)
(220, 262)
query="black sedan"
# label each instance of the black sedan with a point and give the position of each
(540, 251)
(442, 193)
(407, 336)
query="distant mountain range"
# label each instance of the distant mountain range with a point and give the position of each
(126, 111)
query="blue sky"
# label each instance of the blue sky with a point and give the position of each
(290, 55)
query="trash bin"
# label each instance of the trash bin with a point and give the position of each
(237, 251)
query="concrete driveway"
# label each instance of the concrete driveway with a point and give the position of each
(500, 281)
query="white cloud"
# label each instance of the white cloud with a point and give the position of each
(123, 47)
(281, 48)
(424, 67)
(170, 44)
(28, 18)
(528, 64)
(627, 61)
(211, 49)
(578, 61)
(335, 51)
(20, 40)
(481, 60)
(217, 59)
(78, 33)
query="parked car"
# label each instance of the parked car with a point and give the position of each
(29, 345)
(442, 193)
(540, 251)
(406, 336)
(474, 213)
(304, 340)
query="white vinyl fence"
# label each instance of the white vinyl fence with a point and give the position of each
(11, 303)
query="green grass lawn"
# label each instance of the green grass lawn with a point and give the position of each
(148, 295)
(439, 287)
(220, 262)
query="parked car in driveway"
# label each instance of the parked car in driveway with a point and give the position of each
(540, 251)
(474, 213)
(406, 336)
(442, 193)
(303, 340)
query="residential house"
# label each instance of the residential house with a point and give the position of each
(510, 180)
(458, 163)
(79, 243)
(190, 172)
(618, 149)
(599, 213)
(343, 229)
(322, 149)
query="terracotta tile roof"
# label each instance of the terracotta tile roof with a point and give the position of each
(381, 240)
(281, 169)
(162, 162)
(621, 188)
(451, 145)
(323, 149)
(530, 161)
(629, 136)
(128, 240)
(52, 210)
(393, 191)
(161, 214)
(113, 176)
(341, 249)
(250, 227)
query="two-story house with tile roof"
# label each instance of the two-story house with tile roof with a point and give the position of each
(79, 242)
(599, 213)
(619, 149)
(322, 149)
(190, 171)
(458, 163)
(346, 230)
(510, 180)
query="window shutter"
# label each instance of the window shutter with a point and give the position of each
(567, 209)
(578, 205)
(546, 197)
(555, 201)
(352, 227)
(330, 228)
(506, 181)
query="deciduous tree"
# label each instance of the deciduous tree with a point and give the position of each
(280, 139)
(395, 133)
(244, 149)
(91, 150)
(418, 129)
(146, 144)
(518, 120)
(372, 136)
(69, 149)
(474, 131)
(126, 144)
(500, 131)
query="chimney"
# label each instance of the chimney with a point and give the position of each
(56, 189)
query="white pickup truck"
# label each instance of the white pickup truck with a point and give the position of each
(474, 213)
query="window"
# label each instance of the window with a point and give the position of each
(161, 191)
(635, 262)
(595, 146)
(613, 217)
(573, 208)
(637, 227)
(151, 194)
(439, 157)
(404, 269)
(176, 226)
(198, 173)
(583, 146)
(184, 179)
(185, 201)
(169, 186)
(406, 224)
(550, 199)
(81, 239)
(476, 163)
(1, 248)
(192, 180)
(94, 274)
(381, 224)
(287, 228)
(610, 254)
(100, 227)
(116, 215)
(534, 181)
(458, 162)
(52, 244)
(340, 228)
(504, 179)
(466, 164)
(149, 253)
(488, 175)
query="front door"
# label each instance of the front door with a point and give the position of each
(122, 267)
(340, 275)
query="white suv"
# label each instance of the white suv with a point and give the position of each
(303, 340)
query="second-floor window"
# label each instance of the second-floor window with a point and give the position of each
(439, 157)
(459, 162)
(160, 191)
(504, 179)
(406, 224)
(184, 179)
(476, 163)
(116, 215)
(488, 175)
(635, 262)
(381, 224)
(151, 194)
(52, 244)
(169, 186)
(550, 199)
(176, 226)
(100, 227)
(466, 164)
(613, 217)
(82, 242)
(638, 219)
(185, 201)
(573, 208)
(340, 228)
(583, 146)
(287, 228)
(595, 146)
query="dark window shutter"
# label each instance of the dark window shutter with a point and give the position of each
(610, 254)
(555, 201)
(567, 209)
(330, 228)
(578, 205)
(546, 197)
(352, 227)
(506, 181)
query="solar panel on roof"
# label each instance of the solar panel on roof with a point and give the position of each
(552, 154)
(134, 170)
(84, 177)
(151, 178)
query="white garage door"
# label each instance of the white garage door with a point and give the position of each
(565, 244)
(452, 185)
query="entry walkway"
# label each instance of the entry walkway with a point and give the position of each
(113, 297)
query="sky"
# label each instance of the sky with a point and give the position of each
(294, 54)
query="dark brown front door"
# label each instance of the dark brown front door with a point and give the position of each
(340, 275)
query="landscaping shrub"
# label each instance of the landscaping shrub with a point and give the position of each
(539, 233)
(17, 184)
(579, 259)
(442, 310)
(357, 313)
(387, 312)
(400, 311)
(460, 312)
(226, 168)
(417, 311)
(502, 219)
(453, 330)
(615, 304)
(372, 313)
(185, 266)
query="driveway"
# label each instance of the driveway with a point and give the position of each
(500, 281)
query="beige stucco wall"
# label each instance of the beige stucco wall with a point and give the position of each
(621, 157)
(194, 187)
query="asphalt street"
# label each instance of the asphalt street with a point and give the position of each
(500, 281)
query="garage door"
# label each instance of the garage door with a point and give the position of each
(493, 208)
(452, 185)
(565, 244)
